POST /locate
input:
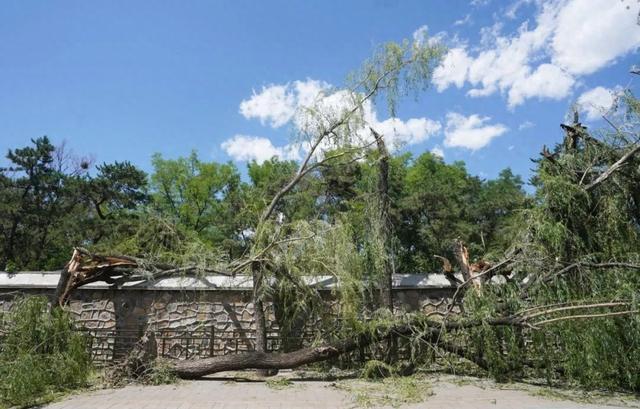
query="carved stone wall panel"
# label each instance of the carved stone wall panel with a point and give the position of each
(190, 324)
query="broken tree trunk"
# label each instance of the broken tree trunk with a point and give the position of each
(258, 360)
(462, 257)
(85, 267)
(476, 273)
(383, 221)
(305, 356)
(384, 229)
(432, 332)
(260, 321)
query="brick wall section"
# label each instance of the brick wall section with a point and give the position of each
(188, 324)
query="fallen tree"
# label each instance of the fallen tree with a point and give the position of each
(437, 328)
(575, 260)
(431, 328)
(85, 267)
(305, 356)
(431, 332)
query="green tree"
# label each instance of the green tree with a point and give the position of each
(50, 203)
(201, 196)
(267, 178)
(497, 213)
(435, 209)
(34, 199)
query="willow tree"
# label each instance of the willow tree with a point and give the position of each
(337, 128)
(572, 273)
(338, 121)
(566, 306)
(568, 288)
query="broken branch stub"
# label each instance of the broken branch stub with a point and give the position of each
(84, 268)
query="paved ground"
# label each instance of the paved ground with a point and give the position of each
(446, 393)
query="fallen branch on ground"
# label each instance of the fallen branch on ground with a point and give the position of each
(428, 331)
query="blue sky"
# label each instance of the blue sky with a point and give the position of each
(120, 80)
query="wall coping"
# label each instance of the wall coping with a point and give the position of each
(49, 280)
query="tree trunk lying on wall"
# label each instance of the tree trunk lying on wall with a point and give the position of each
(86, 267)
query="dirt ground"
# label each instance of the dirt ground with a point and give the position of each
(285, 391)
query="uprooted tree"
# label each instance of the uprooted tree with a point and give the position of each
(562, 302)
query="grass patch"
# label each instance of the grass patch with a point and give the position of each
(375, 369)
(278, 383)
(394, 391)
(160, 373)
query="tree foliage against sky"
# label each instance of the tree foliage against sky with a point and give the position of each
(50, 201)
(49, 207)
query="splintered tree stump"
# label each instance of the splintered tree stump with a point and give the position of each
(85, 267)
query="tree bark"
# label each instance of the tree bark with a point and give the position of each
(462, 257)
(305, 356)
(85, 267)
(61, 289)
(256, 360)
(386, 285)
(259, 317)
(276, 361)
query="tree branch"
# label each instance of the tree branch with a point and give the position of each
(617, 165)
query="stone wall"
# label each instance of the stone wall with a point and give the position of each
(187, 324)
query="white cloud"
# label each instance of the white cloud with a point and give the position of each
(512, 10)
(470, 132)
(547, 81)
(589, 34)
(274, 104)
(453, 70)
(526, 125)
(437, 151)
(461, 22)
(422, 34)
(298, 102)
(310, 105)
(247, 148)
(413, 131)
(596, 102)
(309, 91)
(569, 38)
